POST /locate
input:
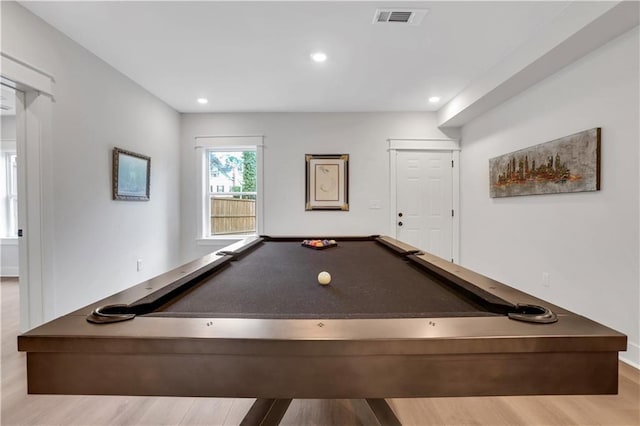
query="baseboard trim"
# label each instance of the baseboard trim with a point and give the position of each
(9, 271)
(632, 355)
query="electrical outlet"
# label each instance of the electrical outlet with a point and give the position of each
(139, 265)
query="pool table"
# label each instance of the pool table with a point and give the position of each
(253, 321)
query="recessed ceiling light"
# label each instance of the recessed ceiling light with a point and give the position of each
(319, 56)
(434, 99)
(203, 101)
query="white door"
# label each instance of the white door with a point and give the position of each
(424, 200)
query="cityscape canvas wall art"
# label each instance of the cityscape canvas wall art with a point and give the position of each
(568, 164)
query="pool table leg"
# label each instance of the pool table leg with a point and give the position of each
(383, 412)
(269, 412)
(266, 412)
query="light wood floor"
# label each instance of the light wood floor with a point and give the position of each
(18, 408)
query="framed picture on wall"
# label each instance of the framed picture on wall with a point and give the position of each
(327, 182)
(131, 175)
(568, 164)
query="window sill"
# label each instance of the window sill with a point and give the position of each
(217, 240)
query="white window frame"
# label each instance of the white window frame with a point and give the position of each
(11, 206)
(210, 193)
(205, 144)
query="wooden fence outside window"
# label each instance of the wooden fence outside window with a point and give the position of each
(232, 216)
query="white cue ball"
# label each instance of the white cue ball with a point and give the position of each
(324, 278)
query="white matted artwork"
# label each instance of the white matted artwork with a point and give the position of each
(327, 182)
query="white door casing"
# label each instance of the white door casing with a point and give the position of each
(34, 97)
(424, 195)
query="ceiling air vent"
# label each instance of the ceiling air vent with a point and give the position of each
(399, 16)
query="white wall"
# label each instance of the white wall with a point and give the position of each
(8, 127)
(96, 241)
(587, 242)
(9, 258)
(288, 137)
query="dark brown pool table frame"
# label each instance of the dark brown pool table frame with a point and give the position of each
(275, 360)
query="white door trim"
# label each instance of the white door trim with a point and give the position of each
(450, 145)
(35, 196)
(27, 75)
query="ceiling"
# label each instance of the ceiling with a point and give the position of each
(255, 56)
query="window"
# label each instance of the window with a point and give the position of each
(231, 207)
(10, 202)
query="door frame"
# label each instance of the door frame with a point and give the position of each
(35, 187)
(446, 145)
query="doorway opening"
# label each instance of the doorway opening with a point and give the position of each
(9, 251)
